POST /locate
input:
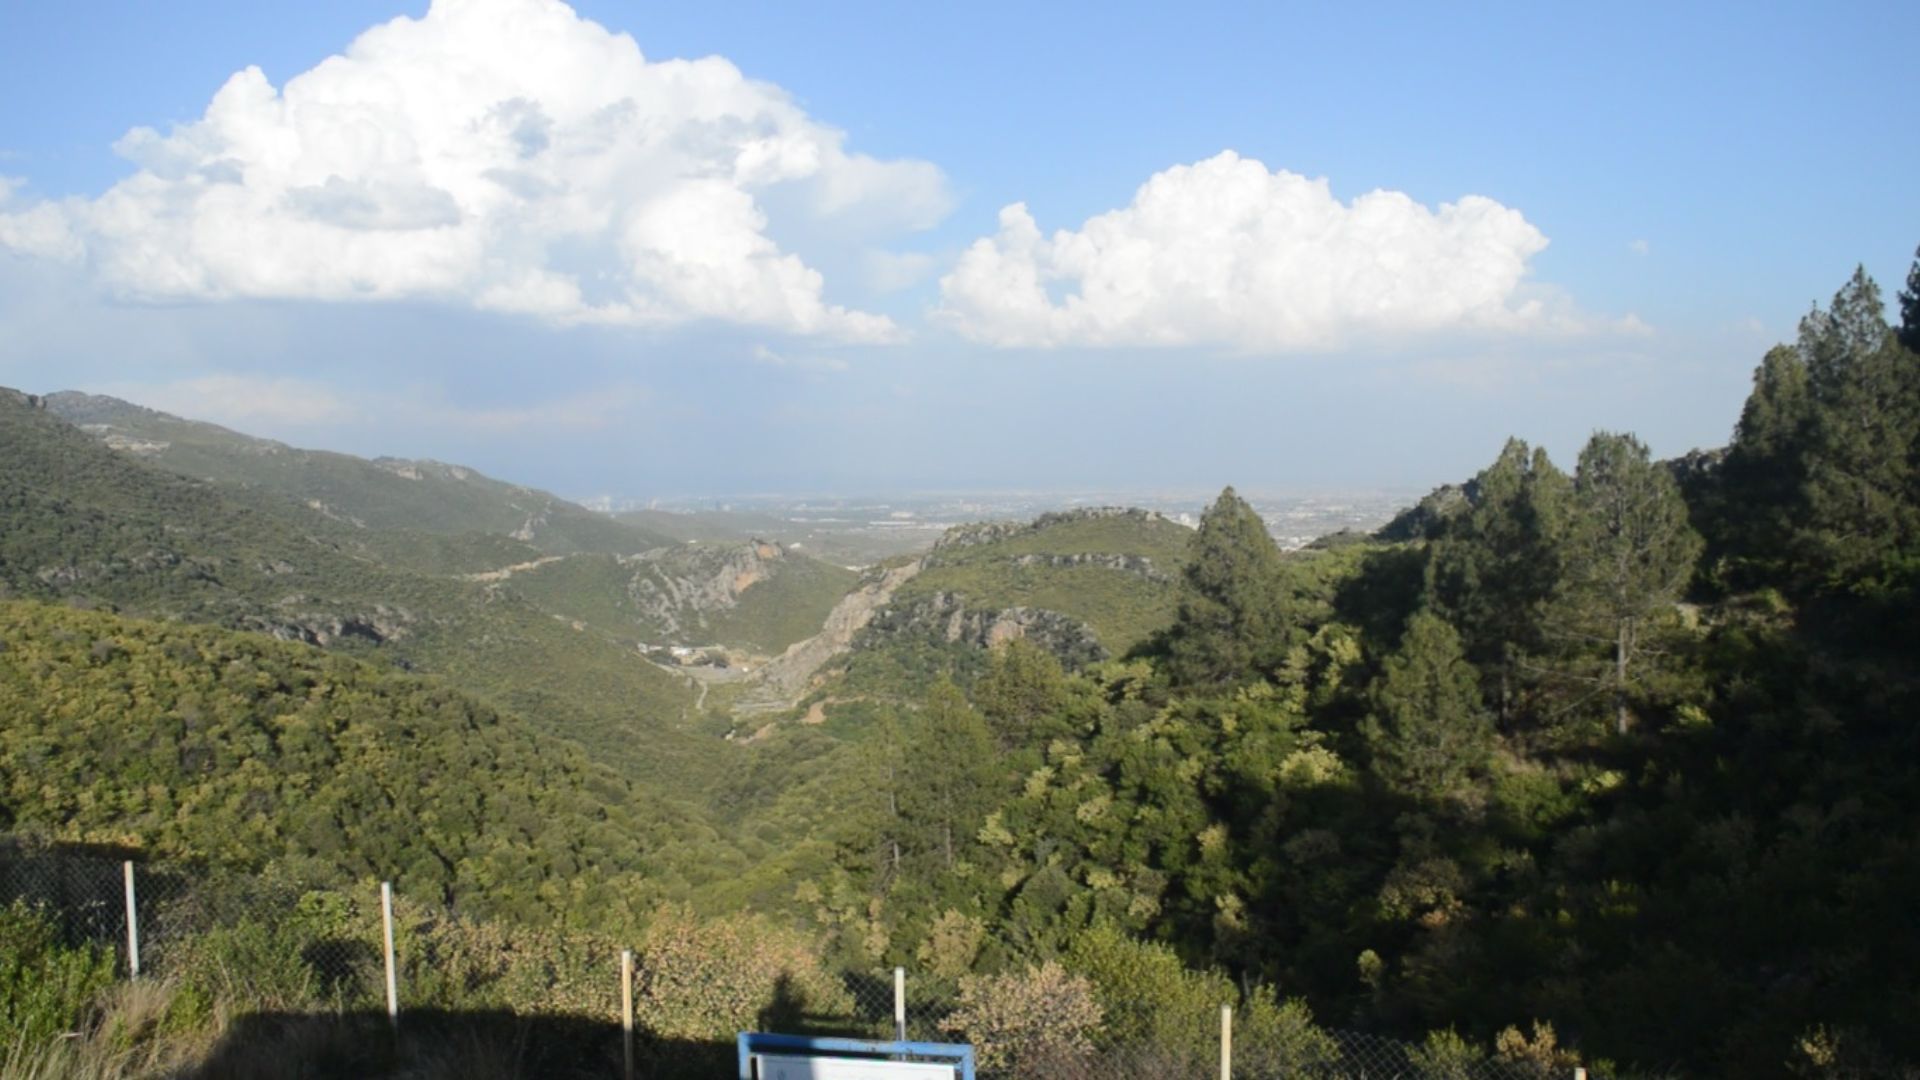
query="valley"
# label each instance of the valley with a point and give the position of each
(1636, 722)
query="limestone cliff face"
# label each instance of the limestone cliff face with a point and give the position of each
(679, 589)
(381, 623)
(785, 680)
(946, 616)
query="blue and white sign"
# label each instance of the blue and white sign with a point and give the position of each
(779, 1067)
(799, 1057)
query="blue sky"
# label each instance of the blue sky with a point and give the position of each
(1660, 191)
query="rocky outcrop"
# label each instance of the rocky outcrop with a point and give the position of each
(788, 677)
(1137, 565)
(382, 624)
(677, 589)
(946, 616)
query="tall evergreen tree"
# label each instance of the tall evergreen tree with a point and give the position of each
(950, 775)
(1428, 731)
(1497, 564)
(1630, 553)
(1233, 617)
(1910, 308)
(1763, 480)
(1023, 694)
(1863, 511)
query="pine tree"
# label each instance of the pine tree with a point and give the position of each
(1023, 695)
(1763, 480)
(1862, 514)
(1497, 564)
(1428, 731)
(1910, 308)
(950, 776)
(1630, 553)
(1233, 618)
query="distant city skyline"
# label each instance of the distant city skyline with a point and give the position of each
(730, 248)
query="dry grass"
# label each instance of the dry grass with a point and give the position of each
(150, 1030)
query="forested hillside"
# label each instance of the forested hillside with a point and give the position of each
(755, 596)
(1625, 747)
(195, 743)
(1085, 585)
(85, 524)
(383, 494)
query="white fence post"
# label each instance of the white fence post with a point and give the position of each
(133, 925)
(1579, 1072)
(626, 1008)
(900, 1003)
(393, 982)
(1226, 1042)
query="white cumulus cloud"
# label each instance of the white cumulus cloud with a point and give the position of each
(503, 154)
(1226, 253)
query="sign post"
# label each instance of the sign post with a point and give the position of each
(393, 983)
(133, 926)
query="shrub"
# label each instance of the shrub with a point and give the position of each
(1037, 1022)
(708, 979)
(1541, 1056)
(1447, 1056)
(46, 985)
(1147, 995)
(1278, 1038)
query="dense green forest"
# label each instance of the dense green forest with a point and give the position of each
(187, 742)
(87, 525)
(1626, 747)
(1620, 745)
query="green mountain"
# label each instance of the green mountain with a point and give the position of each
(752, 596)
(93, 526)
(1085, 585)
(192, 742)
(1115, 571)
(383, 494)
(842, 542)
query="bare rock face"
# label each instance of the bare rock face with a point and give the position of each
(788, 677)
(680, 588)
(946, 616)
(382, 624)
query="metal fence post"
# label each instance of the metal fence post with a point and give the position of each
(626, 1009)
(393, 982)
(900, 1003)
(133, 925)
(1226, 1042)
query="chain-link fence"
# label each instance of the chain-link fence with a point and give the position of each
(309, 969)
